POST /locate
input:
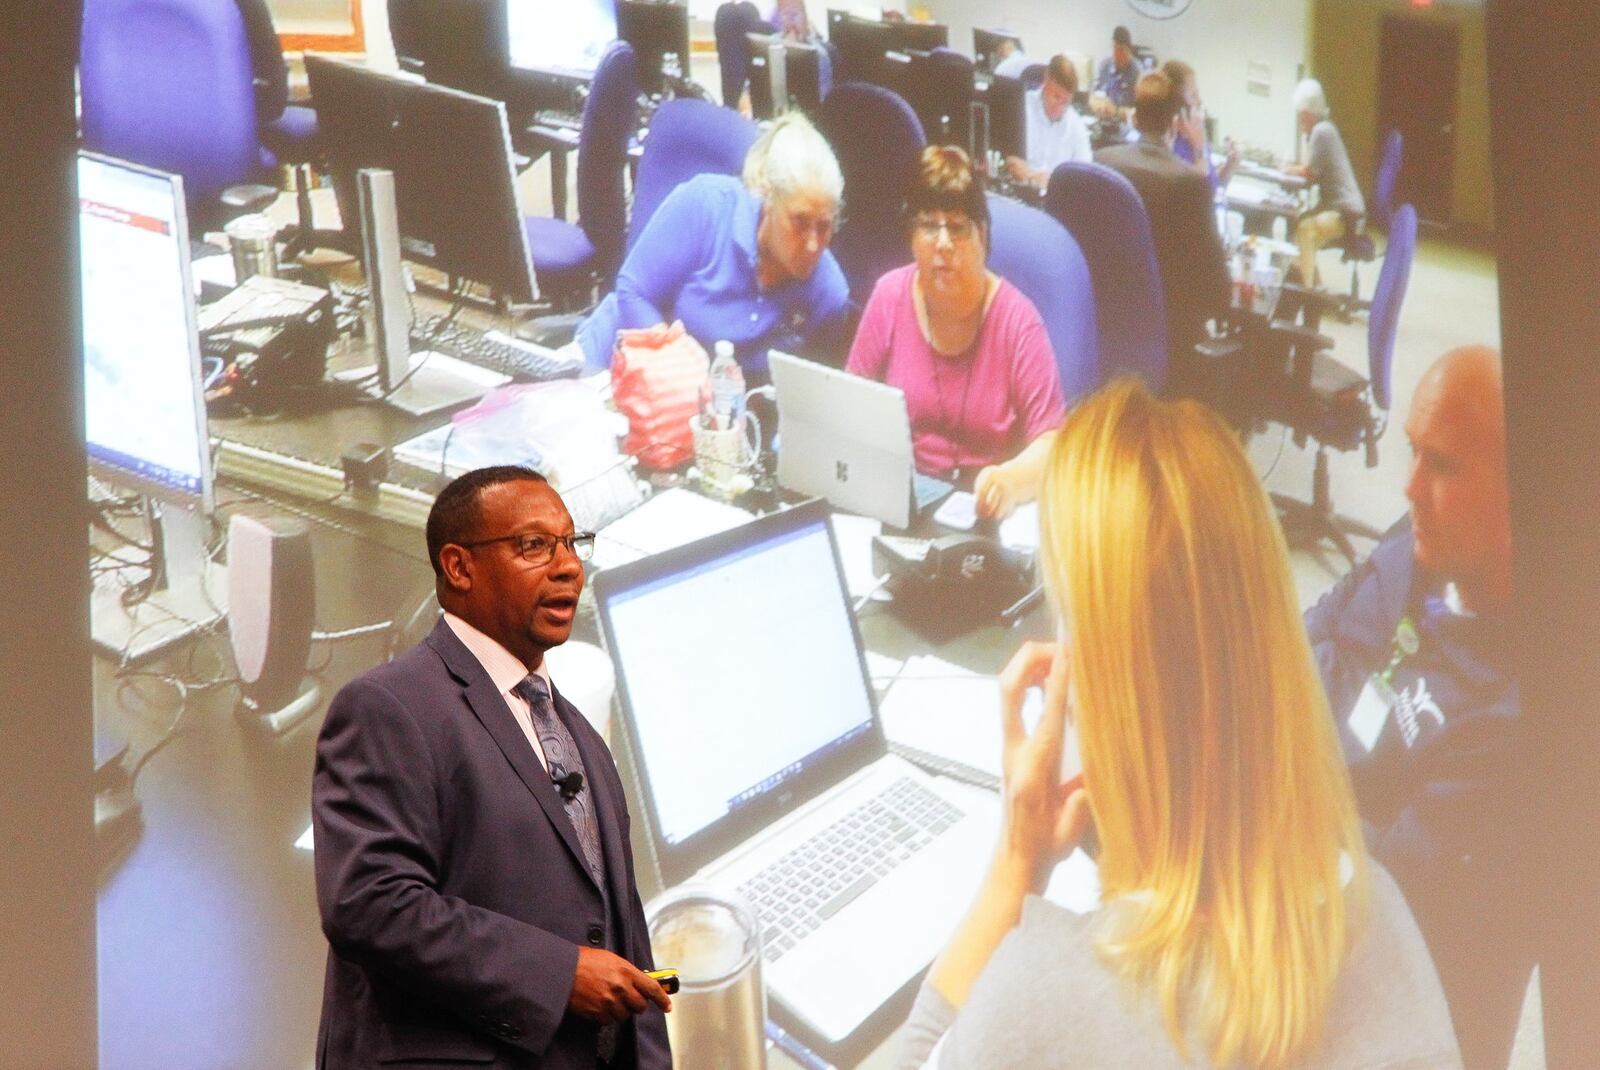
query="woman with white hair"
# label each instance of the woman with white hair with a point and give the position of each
(742, 261)
(1340, 207)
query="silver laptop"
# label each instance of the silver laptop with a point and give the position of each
(848, 440)
(763, 768)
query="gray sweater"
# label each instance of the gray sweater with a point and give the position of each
(1330, 169)
(1046, 1001)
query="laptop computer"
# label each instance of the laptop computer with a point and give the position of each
(763, 769)
(848, 440)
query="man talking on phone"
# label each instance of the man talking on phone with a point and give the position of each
(472, 862)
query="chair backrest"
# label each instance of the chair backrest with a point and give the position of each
(1038, 256)
(610, 116)
(1033, 75)
(167, 84)
(1103, 212)
(1383, 319)
(686, 138)
(878, 141)
(1388, 175)
(729, 25)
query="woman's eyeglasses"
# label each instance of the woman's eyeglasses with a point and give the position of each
(956, 231)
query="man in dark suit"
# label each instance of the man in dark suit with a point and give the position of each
(472, 861)
(1177, 198)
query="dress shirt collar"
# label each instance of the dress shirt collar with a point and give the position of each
(503, 667)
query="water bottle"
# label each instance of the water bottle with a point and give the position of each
(727, 387)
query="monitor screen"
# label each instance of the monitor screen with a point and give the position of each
(144, 410)
(562, 36)
(741, 670)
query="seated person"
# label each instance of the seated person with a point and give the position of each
(1189, 143)
(966, 346)
(1189, 254)
(1415, 648)
(1008, 59)
(745, 262)
(1117, 77)
(1056, 133)
(1240, 924)
(1340, 207)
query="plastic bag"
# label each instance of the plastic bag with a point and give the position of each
(656, 377)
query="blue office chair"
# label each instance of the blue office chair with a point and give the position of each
(1103, 212)
(1321, 398)
(1358, 248)
(569, 258)
(686, 138)
(878, 141)
(1039, 257)
(731, 22)
(167, 84)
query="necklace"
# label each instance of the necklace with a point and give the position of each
(953, 429)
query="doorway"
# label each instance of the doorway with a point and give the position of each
(1417, 81)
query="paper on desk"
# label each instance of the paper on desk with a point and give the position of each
(1020, 530)
(1075, 884)
(882, 668)
(854, 535)
(950, 712)
(668, 520)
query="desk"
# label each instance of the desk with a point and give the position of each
(539, 139)
(210, 948)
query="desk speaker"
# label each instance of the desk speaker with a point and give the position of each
(271, 607)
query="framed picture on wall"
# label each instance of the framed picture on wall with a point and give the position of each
(319, 25)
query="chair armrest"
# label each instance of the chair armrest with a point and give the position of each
(1298, 337)
(1325, 301)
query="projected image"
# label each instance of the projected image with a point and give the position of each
(568, 36)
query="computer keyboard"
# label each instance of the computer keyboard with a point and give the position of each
(524, 361)
(798, 892)
(559, 120)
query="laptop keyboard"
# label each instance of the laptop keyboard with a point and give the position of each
(798, 892)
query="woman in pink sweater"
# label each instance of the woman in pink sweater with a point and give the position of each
(968, 349)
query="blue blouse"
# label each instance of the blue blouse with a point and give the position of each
(695, 261)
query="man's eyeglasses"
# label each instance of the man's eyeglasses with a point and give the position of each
(539, 548)
(956, 230)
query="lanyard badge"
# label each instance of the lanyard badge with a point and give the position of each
(1377, 701)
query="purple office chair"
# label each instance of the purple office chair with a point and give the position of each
(686, 138)
(1323, 399)
(167, 84)
(1038, 256)
(1033, 75)
(878, 141)
(1102, 210)
(567, 257)
(729, 25)
(1358, 247)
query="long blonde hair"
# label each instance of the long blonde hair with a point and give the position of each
(1223, 807)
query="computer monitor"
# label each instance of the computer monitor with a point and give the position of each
(144, 403)
(656, 29)
(451, 156)
(861, 44)
(917, 36)
(566, 44)
(802, 75)
(984, 43)
(458, 43)
(939, 87)
(1008, 124)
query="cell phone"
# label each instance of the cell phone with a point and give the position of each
(668, 979)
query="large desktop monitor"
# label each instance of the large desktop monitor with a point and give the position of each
(451, 156)
(861, 44)
(802, 80)
(1008, 124)
(568, 43)
(984, 43)
(144, 404)
(658, 31)
(917, 36)
(458, 43)
(939, 87)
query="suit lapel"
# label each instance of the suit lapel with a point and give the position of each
(489, 706)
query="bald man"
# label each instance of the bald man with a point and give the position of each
(1414, 649)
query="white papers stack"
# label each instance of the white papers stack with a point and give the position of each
(1020, 530)
(671, 519)
(854, 536)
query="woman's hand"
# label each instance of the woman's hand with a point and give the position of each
(1043, 819)
(996, 496)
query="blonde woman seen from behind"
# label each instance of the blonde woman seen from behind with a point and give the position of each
(1241, 922)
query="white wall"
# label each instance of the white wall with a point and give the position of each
(1219, 38)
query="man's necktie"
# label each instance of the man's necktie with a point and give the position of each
(562, 757)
